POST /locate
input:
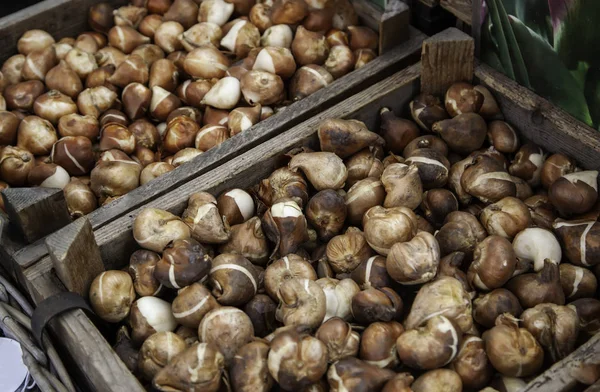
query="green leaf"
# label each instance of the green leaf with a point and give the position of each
(489, 47)
(592, 92)
(548, 75)
(580, 74)
(500, 38)
(578, 37)
(535, 14)
(517, 58)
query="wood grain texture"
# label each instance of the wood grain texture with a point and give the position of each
(96, 363)
(462, 9)
(75, 256)
(61, 18)
(446, 58)
(393, 25)
(7, 249)
(36, 212)
(542, 122)
(368, 13)
(560, 377)
(381, 67)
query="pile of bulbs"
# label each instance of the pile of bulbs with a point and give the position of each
(159, 82)
(444, 258)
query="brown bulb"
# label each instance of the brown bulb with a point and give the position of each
(100, 17)
(577, 282)
(488, 307)
(556, 166)
(397, 132)
(371, 305)
(541, 287)
(352, 374)
(261, 310)
(426, 110)
(234, 279)
(463, 98)
(503, 137)
(184, 262)
(378, 344)
(555, 327)
(326, 211)
(513, 351)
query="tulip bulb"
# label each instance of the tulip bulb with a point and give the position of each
(206, 62)
(324, 170)
(309, 47)
(241, 38)
(225, 94)
(261, 87)
(215, 11)
(154, 229)
(277, 36)
(513, 351)
(537, 245)
(276, 60)
(308, 80)
(208, 363)
(201, 34)
(445, 295)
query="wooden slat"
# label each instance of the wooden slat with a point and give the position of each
(542, 122)
(384, 65)
(462, 9)
(446, 58)
(61, 18)
(75, 256)
(36, 212)
(369, 13)
(559, 377)
(95, 361)
(393, 25)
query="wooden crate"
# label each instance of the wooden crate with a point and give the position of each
(534, 117)
(462, 9)
(69, 17)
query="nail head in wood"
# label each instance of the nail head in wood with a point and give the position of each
(36, 212)
(446, 58)
(75, 255)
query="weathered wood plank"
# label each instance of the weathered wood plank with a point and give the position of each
(369, 13)
(393, 25)
(97, 364)
(462, 9)
(560, 377)
(36, 212)
(446, 58)
(75, 256)
(61, 18)
(542, 122)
